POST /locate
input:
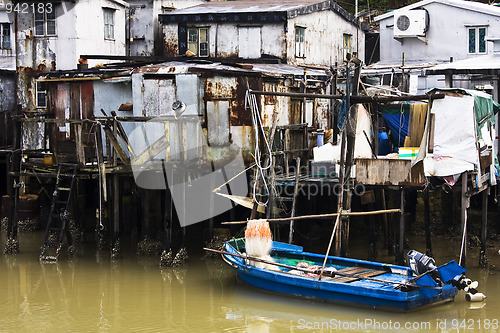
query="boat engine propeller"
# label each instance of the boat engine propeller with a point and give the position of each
(421, 264)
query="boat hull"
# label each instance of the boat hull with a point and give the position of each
(359, 293)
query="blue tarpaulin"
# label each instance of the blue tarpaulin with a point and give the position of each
(397, 118)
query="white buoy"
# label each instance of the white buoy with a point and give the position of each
(477, 297)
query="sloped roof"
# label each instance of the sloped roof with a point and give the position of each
(246, 6)
(486, 64)
(290, 8)
(467, 5)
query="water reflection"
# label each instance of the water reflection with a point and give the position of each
(95, 294)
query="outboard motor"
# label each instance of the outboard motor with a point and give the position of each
(419, 262)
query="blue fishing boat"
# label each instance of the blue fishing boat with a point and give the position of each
(348, 281)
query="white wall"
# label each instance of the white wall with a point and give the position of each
(324, 38)
(447, 35)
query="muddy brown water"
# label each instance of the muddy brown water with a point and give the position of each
(91, 293)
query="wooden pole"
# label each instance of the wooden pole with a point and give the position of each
(322, 216)
(401, 234)
(294, 202)
(354, 99)
(330, 243)
(427, 216)
(387, 238)
(463, 219)
(483, 260)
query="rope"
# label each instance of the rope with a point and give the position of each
(251, 102)
(230, 180)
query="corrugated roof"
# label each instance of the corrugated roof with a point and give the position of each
(468, 5)
(292, 8)
(177, 67)
(246, 6)
(487, 64)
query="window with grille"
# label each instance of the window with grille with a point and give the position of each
(109, 23)
(5, 36)
(45, 23)
(477, 40)
(198, 41)
(41, 95)
(300, 48)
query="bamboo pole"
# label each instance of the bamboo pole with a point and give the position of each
(322, 216)
(330, 244)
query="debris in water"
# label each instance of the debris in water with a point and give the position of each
(149, 247)
(166, 258)
(115, 251)
(11, 246)
(180, 258)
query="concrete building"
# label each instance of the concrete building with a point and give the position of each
(55, 37)
(311, 32)
(144, 32)
(432, 32)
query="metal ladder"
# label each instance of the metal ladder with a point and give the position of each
(59, 212)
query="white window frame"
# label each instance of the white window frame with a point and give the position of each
(41, 95)
(300, 42)
(477, 40)
(109, 23)
(48, 19)
(196, 42)
(5, 35)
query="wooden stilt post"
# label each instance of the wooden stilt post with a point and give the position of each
(294, 202)
(116, 209)
(401, 233)
(463, 219)
(427, 217)
(167, 212)
(483, 260)
(387, 237)
(372, 251)
(12, 244)
(272, 195)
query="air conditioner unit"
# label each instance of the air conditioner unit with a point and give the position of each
(410, 23)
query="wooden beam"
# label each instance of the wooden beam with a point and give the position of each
(116, 145)
(354, 99)
(153, 150)
(322, 216)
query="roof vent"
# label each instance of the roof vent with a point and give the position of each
(410, 23)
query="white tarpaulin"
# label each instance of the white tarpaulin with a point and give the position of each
(455, 149)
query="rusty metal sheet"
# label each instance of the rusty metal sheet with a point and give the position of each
(388, 172)
(241, 116)
(218, 122)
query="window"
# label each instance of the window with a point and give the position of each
(300, 42)
(198, 41)
(109, 23)
(477, 40)
(4, 36)
(41, 94)
(45, 23)
(346, 45)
